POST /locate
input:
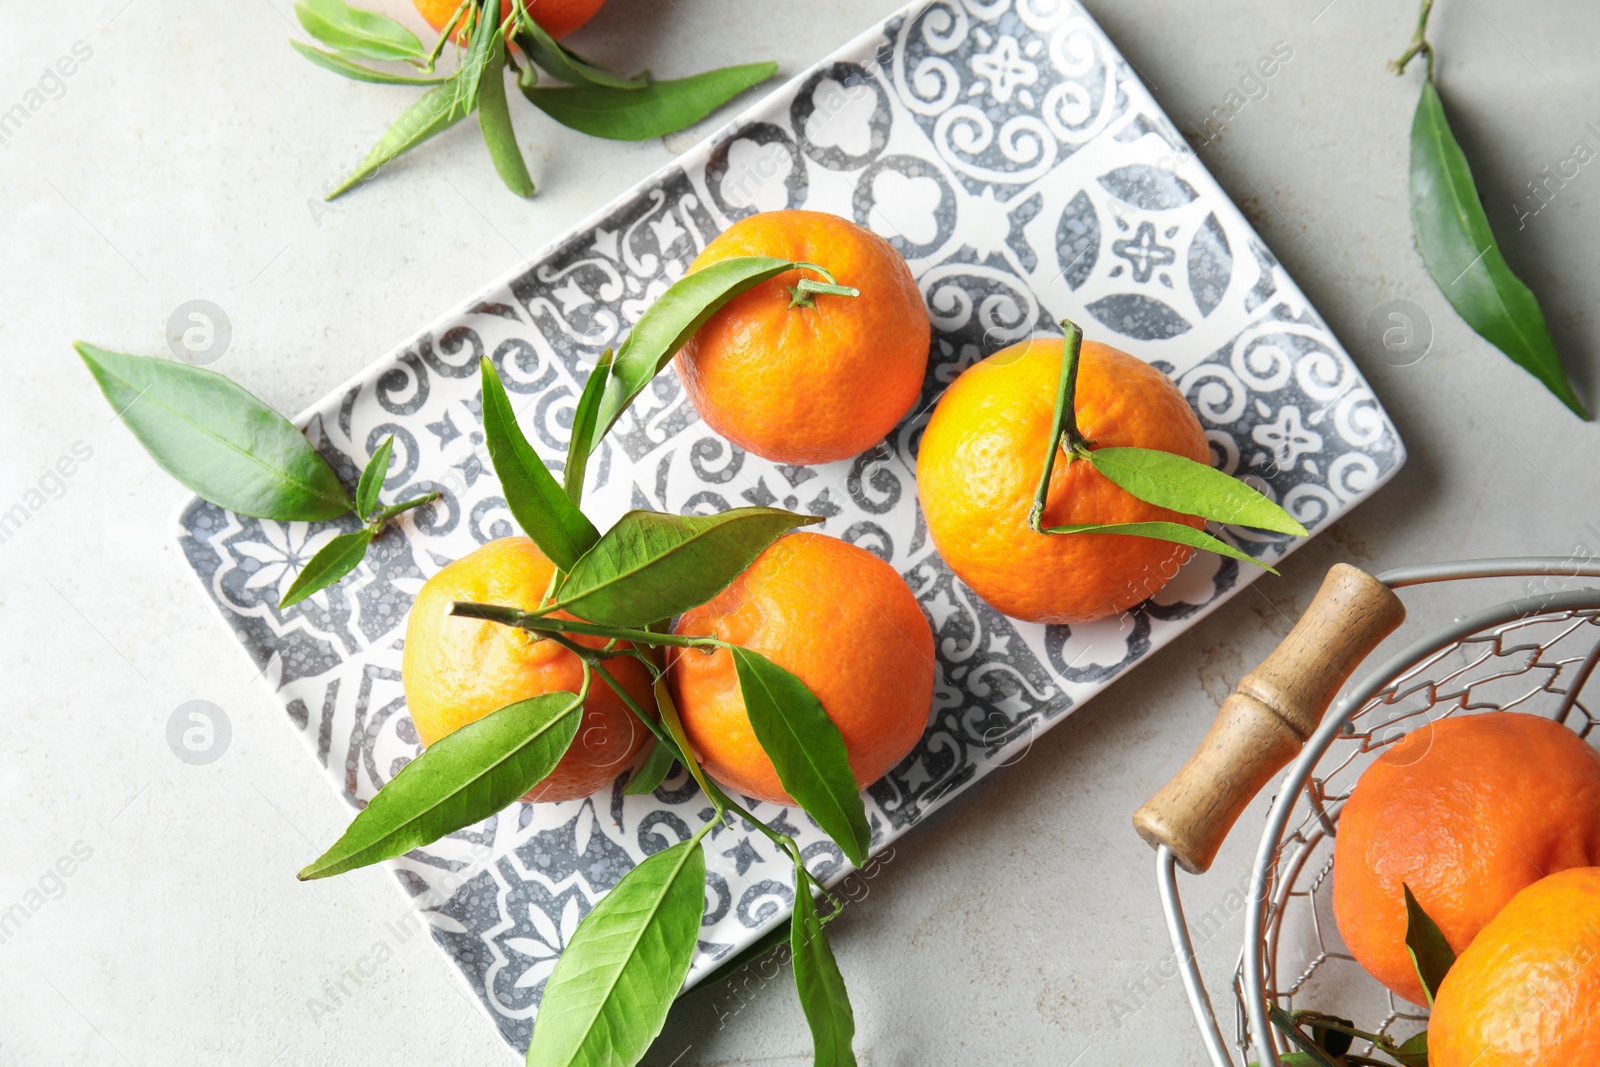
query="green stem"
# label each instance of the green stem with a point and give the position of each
(588, 679)
(444, 36)
(540, 623)
(1063, 423)
(705, 828)
(720, 800)
(597, 663)
(1419, 43)
(790, 846)
(505, 616)
(546, 624)
(803, 295)
(381, 519)
(1328, 1023)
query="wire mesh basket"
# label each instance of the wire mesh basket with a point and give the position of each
(1533, 654)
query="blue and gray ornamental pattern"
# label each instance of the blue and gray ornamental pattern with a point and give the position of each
(1008, 152)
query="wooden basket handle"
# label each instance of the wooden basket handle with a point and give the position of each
(1270, 714)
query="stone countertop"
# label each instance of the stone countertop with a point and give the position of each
(184, 159)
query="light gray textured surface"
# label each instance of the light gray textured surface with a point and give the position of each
(1021, 926)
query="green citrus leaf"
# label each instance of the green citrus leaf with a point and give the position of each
(566, 65)
(333, 561)
(584, 419)
(534, 498)
(217, 439)
(653, 110)
(1461, 254)
(669, 323)
(460, 779)
(652, 566)
(1414, 1052)
(494, 120)
(355, 32)
(652, 772)
(357, 72)
(820, 985)
(609, 994)
(1430, 953)
(1176, 532)
(475, 61)
(1179, 483)
(674, 724)
(806, 750)
(371, 483)
(436, 111)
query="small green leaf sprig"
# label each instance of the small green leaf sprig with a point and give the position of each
(617, 977)
(234, 450)
(609, 995)
(342, 555)
(1326, 1040)
(1457, 245)
(593, 99)
(1323, 1040)
(1174, 482)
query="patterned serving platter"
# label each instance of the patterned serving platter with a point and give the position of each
(1012, 156)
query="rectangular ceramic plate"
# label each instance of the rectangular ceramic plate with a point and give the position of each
(1009, 152)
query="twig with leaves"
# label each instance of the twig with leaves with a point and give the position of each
(1165, 479)
(1323, 1040)
(1459, 248)
(234, 450)
(609, 995)
(593, 99)
(617, 977)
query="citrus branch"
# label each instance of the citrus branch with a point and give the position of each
(1328, 1022)
(539, 623)
(720, 800)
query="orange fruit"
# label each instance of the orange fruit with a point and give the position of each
(558, 17)
(809, 384)
(840, 619)
(457, 670)
(1466, 811)
(978, 469)
(1524, 993)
